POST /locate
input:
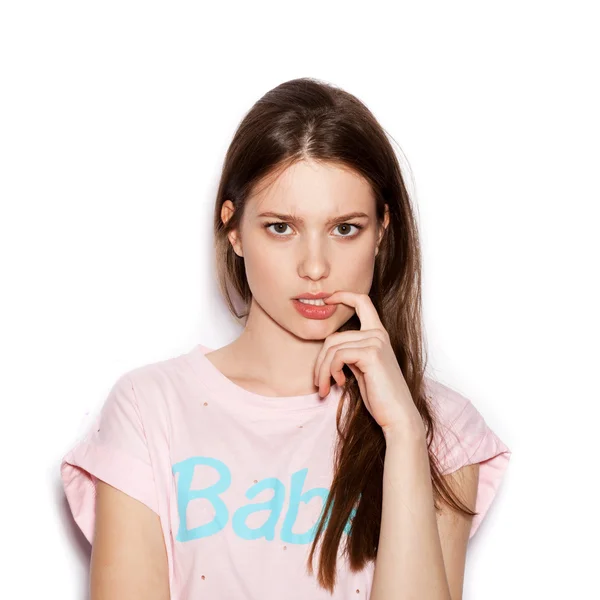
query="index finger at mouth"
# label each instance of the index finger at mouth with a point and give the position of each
(366, 311)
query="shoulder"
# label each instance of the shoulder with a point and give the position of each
(459, 427)
(445, 402)
(158, 370)
(471, 456)
(155, 388)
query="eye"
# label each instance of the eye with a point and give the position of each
(267, 225)
(284, 224)
(358, 227)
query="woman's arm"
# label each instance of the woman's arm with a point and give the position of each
(129, 558)
(410, 560)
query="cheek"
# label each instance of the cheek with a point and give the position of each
(265, 270)
(358, 271)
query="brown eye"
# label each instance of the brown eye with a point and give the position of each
(346, 227)
(277, 231)
(280, 228)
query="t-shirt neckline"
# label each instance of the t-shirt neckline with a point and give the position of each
(215, 380)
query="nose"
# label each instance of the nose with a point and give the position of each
(314, 260)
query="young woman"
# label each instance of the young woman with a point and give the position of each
(217, 473)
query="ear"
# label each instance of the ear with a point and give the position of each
(386, 222)
(227, 210)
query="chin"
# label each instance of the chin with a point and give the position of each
(317, 329)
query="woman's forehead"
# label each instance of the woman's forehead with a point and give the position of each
(312, 190)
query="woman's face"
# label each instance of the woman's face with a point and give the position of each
(318, 247)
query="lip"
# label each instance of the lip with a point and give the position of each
(314, 312)
(313, 296)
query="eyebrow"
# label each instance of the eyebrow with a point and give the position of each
(294, 219)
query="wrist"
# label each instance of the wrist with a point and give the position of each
(412, 429)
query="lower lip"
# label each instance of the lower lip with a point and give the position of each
(310, 311)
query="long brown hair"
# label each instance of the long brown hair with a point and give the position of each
(308, 119)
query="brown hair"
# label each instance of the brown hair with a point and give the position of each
(308, 119)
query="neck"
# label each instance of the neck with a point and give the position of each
(274, 356)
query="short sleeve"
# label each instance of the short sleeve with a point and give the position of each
(463, 438)
(115, 450)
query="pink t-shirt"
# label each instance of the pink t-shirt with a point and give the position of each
(239, 479)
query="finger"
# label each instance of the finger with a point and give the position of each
(326, 371)
(333, 340)
(337, 367)
(365, 309)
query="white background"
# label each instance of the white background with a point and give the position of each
(114, 121)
